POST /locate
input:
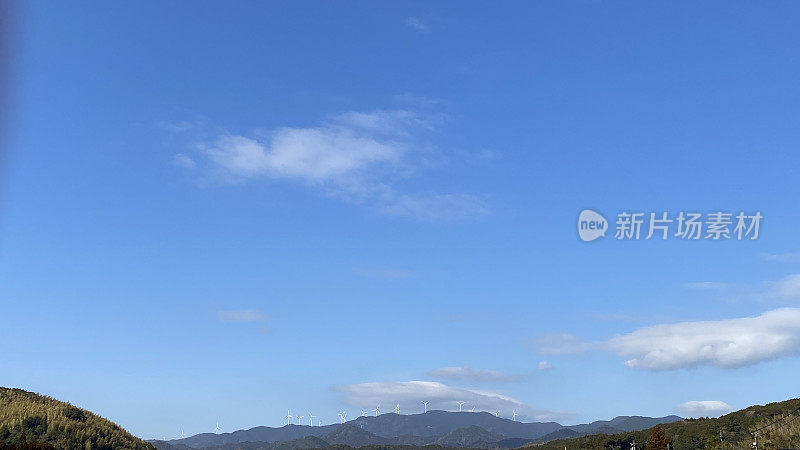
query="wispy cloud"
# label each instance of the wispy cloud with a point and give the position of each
(437, 206)
(184, 160)
(175, 127)
(780, 257)
(441, 396)
(729, 343)
(417, 25)
(784, 290)
(706, 285)
(703, 408)
(470, 373)
(545, 365)
(242, 315)
(787, 288)
(561, 344)
(355, 156)
(629, 318)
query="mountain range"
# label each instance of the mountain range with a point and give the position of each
(441, 428)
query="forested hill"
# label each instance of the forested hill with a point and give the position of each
(34, 421)
(778, 426)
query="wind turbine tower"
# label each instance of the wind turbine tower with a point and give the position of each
(300, 420)
(397, 409)
(515, 416)
(342, 416)
(218, 429)
(288, 417)
(364, 413)
(460, 404)
(425, 404)
(311, 419)
(376, 410)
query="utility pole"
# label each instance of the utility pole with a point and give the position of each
(721, 441)
(755, 441)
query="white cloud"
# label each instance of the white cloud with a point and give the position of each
(469, 373)
(441, 396)
(724, 343)
(703, 408)
(727, 343)
(355, 156)
(316, 156)
(346, 155)
(417, 25)
(545, 365)
(242, 315)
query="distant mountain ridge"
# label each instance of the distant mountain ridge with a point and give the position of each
(443, 428)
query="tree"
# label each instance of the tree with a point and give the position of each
(658, 439)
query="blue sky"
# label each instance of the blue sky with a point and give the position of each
(218, 212)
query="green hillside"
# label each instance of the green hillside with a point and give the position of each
(778, 426)
(34, 421)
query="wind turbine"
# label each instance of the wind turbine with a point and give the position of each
(497, 414)
(515, 415)
(397, 409)
(376, 410)
(300, 420)
(288, 417)
(472, 410)
(363, 413)
(311, 419)
(217, 429)
(426, 405)
(342, 416)
(460, 404)
(183, 435)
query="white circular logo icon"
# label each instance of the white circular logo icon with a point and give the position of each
(591, 225)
